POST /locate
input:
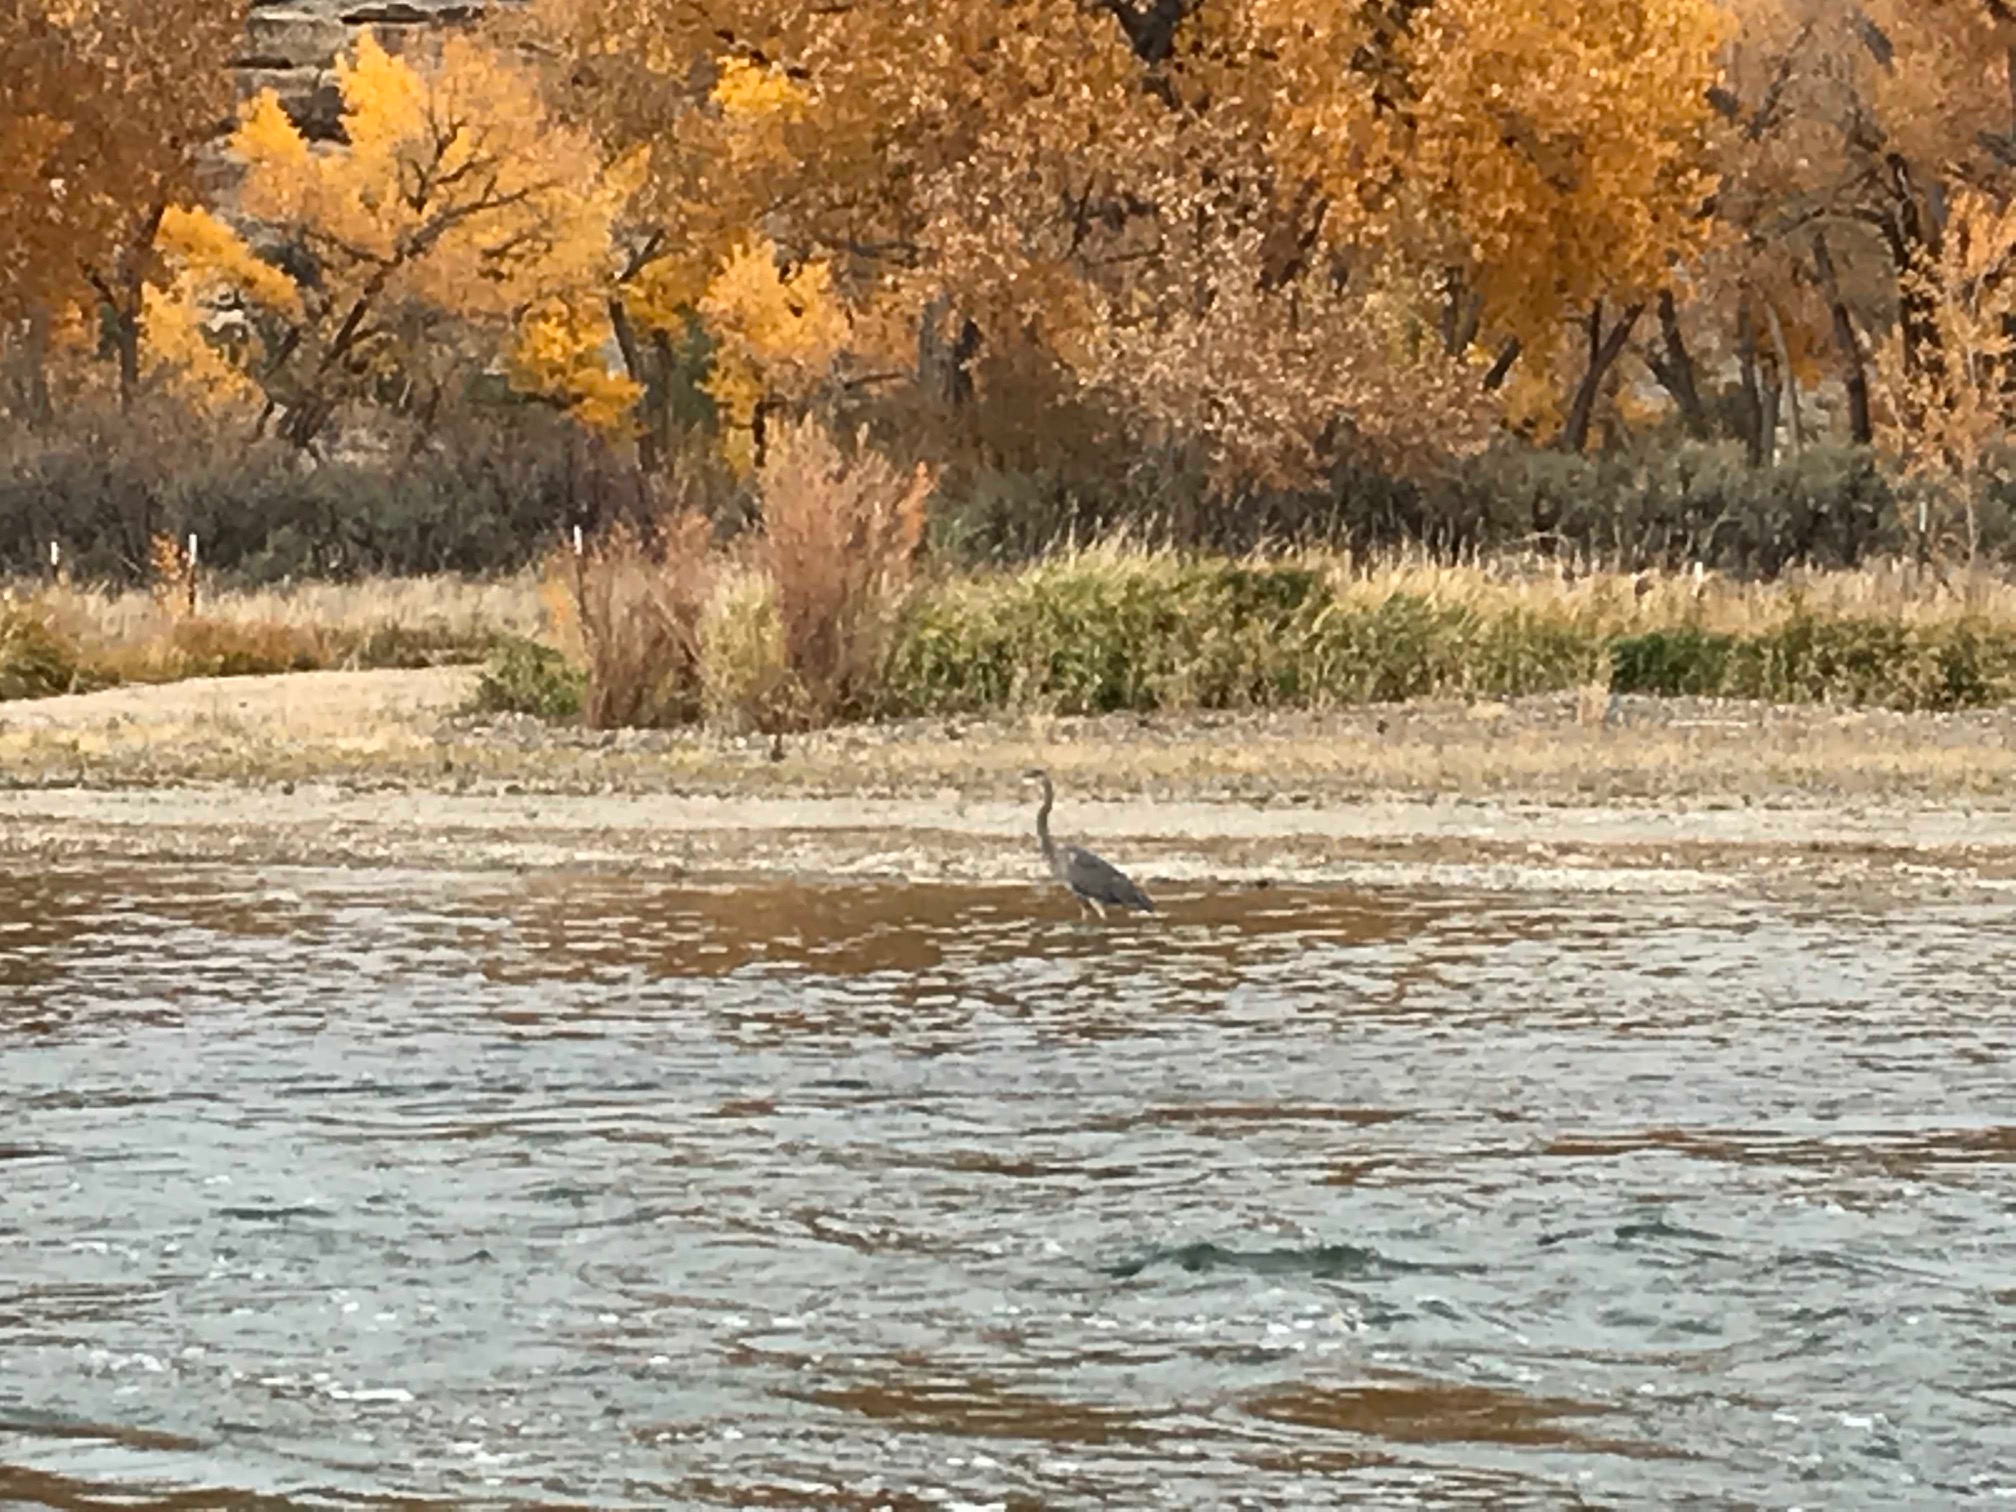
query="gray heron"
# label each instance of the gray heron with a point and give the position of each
(1096, 883)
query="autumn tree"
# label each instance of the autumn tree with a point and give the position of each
(1082, 189)
(1550, 160)
(694, 108)
(1849, 133)
(105, 108)
(455, 212)
(1951, 381)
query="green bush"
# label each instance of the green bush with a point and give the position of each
(524, 677)
(1830, 506)
(1100, 631)
(1808, 659)
(1676, 661)
(1870, 661)
(36, 660)
(1405, 646)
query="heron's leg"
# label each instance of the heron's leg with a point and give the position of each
(1098, 908)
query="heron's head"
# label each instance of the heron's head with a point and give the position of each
(1035, 774)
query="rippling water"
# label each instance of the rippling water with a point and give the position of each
(339, 1189)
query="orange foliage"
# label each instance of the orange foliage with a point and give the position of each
(1263, 236)
(455, 197)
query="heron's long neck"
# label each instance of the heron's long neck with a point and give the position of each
(1043, 824)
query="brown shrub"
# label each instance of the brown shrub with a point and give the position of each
(639, 595)
(840, 538)
(174, 573)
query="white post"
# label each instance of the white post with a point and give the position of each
(577, 540)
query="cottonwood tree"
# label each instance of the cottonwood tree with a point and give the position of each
(1850, 133)
(105, 108)
(1953, 397)
(456, 219)
(1551, 159)
(1088, 186)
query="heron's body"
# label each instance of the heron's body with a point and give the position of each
(1095, 882)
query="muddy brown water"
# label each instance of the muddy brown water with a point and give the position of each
(411, 1189)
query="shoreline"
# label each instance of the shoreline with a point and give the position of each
(379, 769)
(1477, 845)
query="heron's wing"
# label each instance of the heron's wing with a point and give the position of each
(1103, 882)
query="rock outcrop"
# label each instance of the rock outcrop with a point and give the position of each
(291, 46)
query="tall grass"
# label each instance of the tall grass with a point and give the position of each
(1114, 628)
(639, 596)
(792, 628)
(839, 542)
(828, 619)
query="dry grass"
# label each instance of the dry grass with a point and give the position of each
(822, 620)
(452, 608)
(1623, 603)
(746, 681)
(59, 638)
(840, 538)
(638, 597)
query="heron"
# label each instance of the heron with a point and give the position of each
(1096, 883)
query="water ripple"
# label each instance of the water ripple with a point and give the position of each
(411, 1190)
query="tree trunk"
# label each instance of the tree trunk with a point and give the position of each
(126, 339)
(959, 381)
(1772, 388)
(1673, 366)
(1150, 25)
(1751, 418)
(2009, 76)
(1855, 373)
(1501, 366)
(945, 368)
(36, 403)
(1603, 353)
(1788, 381)
(1462, 314)
(124, 294)
(651, 402)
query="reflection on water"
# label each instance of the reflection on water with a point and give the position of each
(329, 1190)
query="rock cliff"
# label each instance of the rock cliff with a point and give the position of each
(291, 45)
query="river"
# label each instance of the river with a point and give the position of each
(347, 1188)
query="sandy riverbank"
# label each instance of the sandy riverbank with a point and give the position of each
(380, 768)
